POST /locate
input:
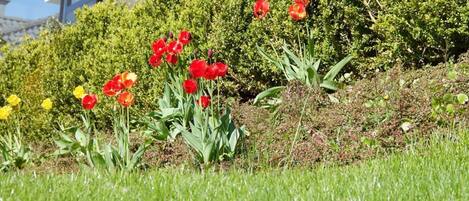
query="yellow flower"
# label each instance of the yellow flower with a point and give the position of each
(47, 104)
(13, 100)
(5, 112)
(79, 92)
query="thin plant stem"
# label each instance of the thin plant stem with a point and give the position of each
(218, 96)
(290, 158)
(127, 132)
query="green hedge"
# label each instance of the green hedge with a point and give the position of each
(109, 38)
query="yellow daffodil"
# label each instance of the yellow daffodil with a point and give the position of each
(13, 100)
(79, 92)
(5, 112)
(47, 104)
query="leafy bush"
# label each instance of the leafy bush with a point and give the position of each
(419, 32)
(381, 33)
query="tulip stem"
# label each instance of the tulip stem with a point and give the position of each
(290, 158)
(218, 96)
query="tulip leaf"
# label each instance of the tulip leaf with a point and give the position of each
(330, 76)
(271, 92)
(81, 138)
(331, 85)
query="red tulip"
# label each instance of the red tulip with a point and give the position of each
(185, 37)
(305, 2)
(159, 46)
(89, 101)
(128, 79)
(172, 58)
(261, 8)
(113, 87)
(222, 69)
(204, 101)
(155, 60)
(211, 73)
(117, 78)
(197, 68)
(190, 86)
(175, 47)
(297, 11)
(126, 99)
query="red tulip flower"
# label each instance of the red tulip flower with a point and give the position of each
(211, 73)
(305, 2)
(261, 8)
(113, 87)
(190, 86)
(172, 58)
(128, 79)
(297, 11)
(89, 101)
(197, 68)
(222, 69)
(175, 47)
(155, 60)
(126, 99)
(204, 101)
(117, 78)
(159, 47)
(185, 37)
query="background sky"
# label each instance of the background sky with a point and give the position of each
(30, 9)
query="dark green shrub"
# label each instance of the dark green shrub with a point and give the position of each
(381, 33)
(417, 32)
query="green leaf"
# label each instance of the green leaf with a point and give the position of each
(292, 56)
(81, 138)
(265, 55)
(137, 156)
(330, 76)
(108, 157)
(235, 136)
(462, 99)
(195, 141)
(312, 78)
(316, 66)
(271, 92)
(331, 85)
(98, 160)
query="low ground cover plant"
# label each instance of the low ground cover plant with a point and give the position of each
(369, 118)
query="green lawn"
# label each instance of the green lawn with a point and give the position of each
(438, 172)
